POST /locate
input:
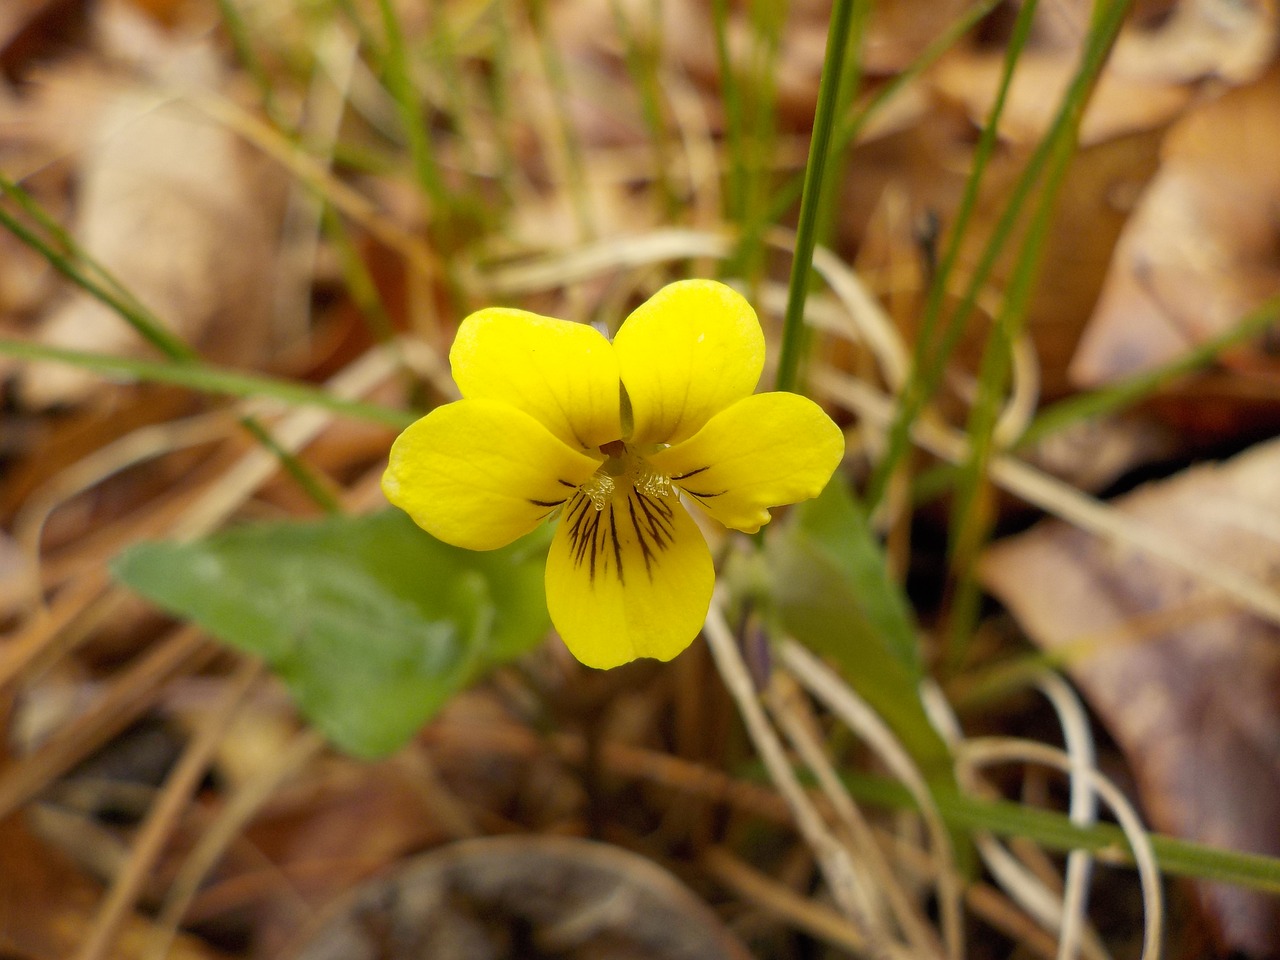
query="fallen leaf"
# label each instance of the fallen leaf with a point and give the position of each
(524, 895)
(47, 906)
(168, 202)
(1120, 104)
(1203, 247)
(1193, 705)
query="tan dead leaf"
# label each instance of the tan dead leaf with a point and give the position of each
(1147, 79)
(1232, 40)
(560, 896)
(47, 906)
(1120, 105)
(170, 204)
(1187, 685)
(1203, 247)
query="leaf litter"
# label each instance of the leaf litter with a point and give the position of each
(1165, 236)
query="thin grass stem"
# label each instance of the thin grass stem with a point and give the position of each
(793, 335)
(1133, 389)
(207, 378)
(927, 367)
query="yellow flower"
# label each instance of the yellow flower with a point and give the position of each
(557, 420)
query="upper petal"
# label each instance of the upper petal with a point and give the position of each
(563, 374)
(764, 451)
(480, 473)
(631, 580)
(685, 354)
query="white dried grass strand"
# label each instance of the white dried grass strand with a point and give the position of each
(871, 322)
(584, 263)
(1024, 397)
(987, 751)
(138, 446)
(840, 699)
(1023, 886)
(865, 847)
(831, 855)
(1060, 499)
(1082, 809)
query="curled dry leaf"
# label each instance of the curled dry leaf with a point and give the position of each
(1120, 104)
(1147, 80)
(1203, 247)
(519, 896)
(170, 204)
(1187, 685)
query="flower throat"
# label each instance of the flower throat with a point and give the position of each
(624, 465)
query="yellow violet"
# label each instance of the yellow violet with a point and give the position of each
(556, 419)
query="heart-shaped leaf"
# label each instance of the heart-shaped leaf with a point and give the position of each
(371, 623)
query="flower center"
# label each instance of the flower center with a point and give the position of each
(624, 466)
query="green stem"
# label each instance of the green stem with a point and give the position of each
(806, 230)
(73, 262)
(928, 362)
(210, 379)
(1129, 391)
(1055, 831)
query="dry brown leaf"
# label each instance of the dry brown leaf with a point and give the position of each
(1202, 248)
(1194, 706)
(1147, 80)
(1120, 104)
(167, 201)
(524, 895)
(47, 905)
(1232, 40)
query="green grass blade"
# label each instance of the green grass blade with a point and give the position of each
(398, 76)
(928, 362)
(76, 265)
(735, 127)
(210, 379)
(793, 335)
(643, 57)
(1119, 395)
(559, 83)
(851, 126)
(971, 518)
(241, 41)
(1055, 831)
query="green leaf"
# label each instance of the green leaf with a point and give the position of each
(833, 593)
(371, 623)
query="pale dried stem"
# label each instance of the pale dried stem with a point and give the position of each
(165, 814)
(824, 684)
(214, 840)
(789, 707)
(1060, 499)
(417, 254)
(985, 901)
(779, 900)
(987, 751)
(131, 694)
(832, 857)
(1082, 810)
(1029, 883)
(1024, 398)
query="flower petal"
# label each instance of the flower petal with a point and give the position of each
(685, 354)
(562, 374)
(480, 473)
(631, 580)
(764, 451)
